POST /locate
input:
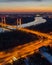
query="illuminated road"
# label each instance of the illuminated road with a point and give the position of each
(36, 32)
(26, 49)
(22, 51)
(26, 30)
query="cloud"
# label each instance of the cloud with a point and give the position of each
(22, 0)
(17, 0)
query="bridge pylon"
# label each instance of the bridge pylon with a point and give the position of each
(3, 20)
(19, 22)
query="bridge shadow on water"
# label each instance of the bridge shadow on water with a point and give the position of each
(14, 38)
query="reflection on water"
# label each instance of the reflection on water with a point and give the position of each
(3, 30)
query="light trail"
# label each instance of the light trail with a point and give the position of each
(26, 49)
(26, 30)
(29, 48)
(36, 32)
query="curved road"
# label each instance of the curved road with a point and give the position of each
(26, 49)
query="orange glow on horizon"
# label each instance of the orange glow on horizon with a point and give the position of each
(26, 9)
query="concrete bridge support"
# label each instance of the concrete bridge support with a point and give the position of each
(3, 21)
(19, 22)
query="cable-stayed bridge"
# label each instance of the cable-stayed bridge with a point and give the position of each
(26, 49)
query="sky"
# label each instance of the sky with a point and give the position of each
(25, 5)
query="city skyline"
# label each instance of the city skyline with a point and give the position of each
(25, 5)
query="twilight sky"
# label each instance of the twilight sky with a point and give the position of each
(25, 5)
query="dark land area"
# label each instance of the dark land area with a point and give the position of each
(15, 38)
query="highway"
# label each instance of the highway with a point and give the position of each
(26, 49)
(22, 51)
(10, 27)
